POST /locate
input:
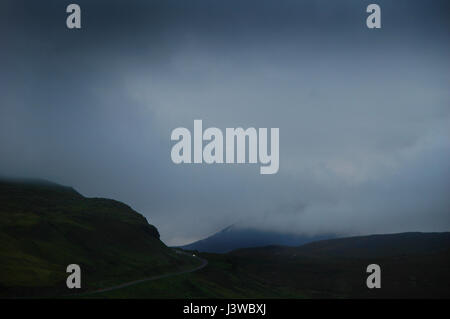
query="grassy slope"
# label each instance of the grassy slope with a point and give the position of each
(44, 227)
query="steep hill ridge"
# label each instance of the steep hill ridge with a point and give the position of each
(45, 226)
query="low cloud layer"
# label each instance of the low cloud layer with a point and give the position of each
(364, 115)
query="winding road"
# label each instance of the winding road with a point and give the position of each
(127, 284)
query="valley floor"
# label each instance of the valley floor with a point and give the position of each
(231, 276)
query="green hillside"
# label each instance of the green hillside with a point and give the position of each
(45, 226)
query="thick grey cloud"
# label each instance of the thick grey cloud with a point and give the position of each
(363, 114)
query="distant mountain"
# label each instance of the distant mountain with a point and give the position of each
(45, 226)
(234, 237)
(372, 246)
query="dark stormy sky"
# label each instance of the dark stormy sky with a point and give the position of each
(364, 115)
